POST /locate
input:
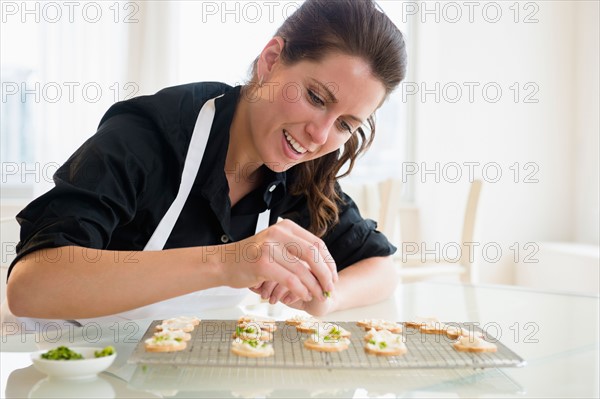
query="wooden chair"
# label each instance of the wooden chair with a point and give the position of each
(379, 201)
(421, 266)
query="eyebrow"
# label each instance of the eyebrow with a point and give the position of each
(332, 98)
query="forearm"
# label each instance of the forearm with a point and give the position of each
(75, 282)
(366, 282)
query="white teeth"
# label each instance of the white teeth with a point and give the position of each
(294, 143)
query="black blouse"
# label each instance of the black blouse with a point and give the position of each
(114, 190)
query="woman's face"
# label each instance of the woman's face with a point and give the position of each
(309, 109)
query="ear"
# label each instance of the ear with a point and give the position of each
(269, 57)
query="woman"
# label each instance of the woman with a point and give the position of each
(197, 176)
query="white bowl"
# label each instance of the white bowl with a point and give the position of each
(85, 368)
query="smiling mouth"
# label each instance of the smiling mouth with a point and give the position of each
(296, 147)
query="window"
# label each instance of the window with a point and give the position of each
(65, 63)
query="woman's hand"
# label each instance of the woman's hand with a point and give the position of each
(276, 292)
(316, 308)
(366, 282)
(284, 254)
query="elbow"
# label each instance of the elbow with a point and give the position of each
(17, 298)
(390, 275)
(16, 305)
(21, 292)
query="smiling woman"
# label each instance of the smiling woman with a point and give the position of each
(196, 177)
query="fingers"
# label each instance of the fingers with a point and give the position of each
(299, 269)
(291, 256)
(278, 293)
(298, 284)
(289, 298)
(267, 289)
(311, 251)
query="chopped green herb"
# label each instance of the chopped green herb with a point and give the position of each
(239, 331)
(61, 353)
(331, 338)
(166, 337)
(160, 338)
(372, 342)
(252, 342)
(109, 350)
(382, 345)
(327, 294)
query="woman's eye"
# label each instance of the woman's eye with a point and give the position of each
(315, 99)
(345, 127)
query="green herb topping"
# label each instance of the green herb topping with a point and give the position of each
(252, 342)
(335, 331)
(109, 350)
(61, 353)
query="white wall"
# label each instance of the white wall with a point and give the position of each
(557, 136)
(587, 123)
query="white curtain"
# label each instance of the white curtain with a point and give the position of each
(89, 66)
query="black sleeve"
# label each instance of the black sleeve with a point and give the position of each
(95, 190)
(353, 238)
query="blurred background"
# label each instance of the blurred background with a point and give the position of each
(504, 93)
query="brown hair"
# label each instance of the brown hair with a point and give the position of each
(355, 28)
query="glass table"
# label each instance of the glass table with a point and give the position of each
(556, 334)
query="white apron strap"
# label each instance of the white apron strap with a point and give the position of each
(263, 221)
(193, 159)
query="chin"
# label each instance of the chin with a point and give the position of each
(279, 167)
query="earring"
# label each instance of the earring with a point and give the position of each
(260, 82)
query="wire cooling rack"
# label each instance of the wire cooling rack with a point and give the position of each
(211, 346)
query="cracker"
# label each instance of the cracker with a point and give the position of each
(175, 326)
(250, 332)
(327, 347)
(262, 349)
(474, 343)
(384, 343)
(420, 321)
(378, 324)
(299, 319)
(386, 352)
(165, 348)
(475, 349)
(322, 328)
(262, 323)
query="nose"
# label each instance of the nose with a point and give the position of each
(318, 129)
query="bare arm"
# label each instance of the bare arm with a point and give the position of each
(75, 282)
(367, 282)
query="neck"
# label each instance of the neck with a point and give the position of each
(242, 161)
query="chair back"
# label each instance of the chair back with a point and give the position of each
(469, 220)
(379, 201)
